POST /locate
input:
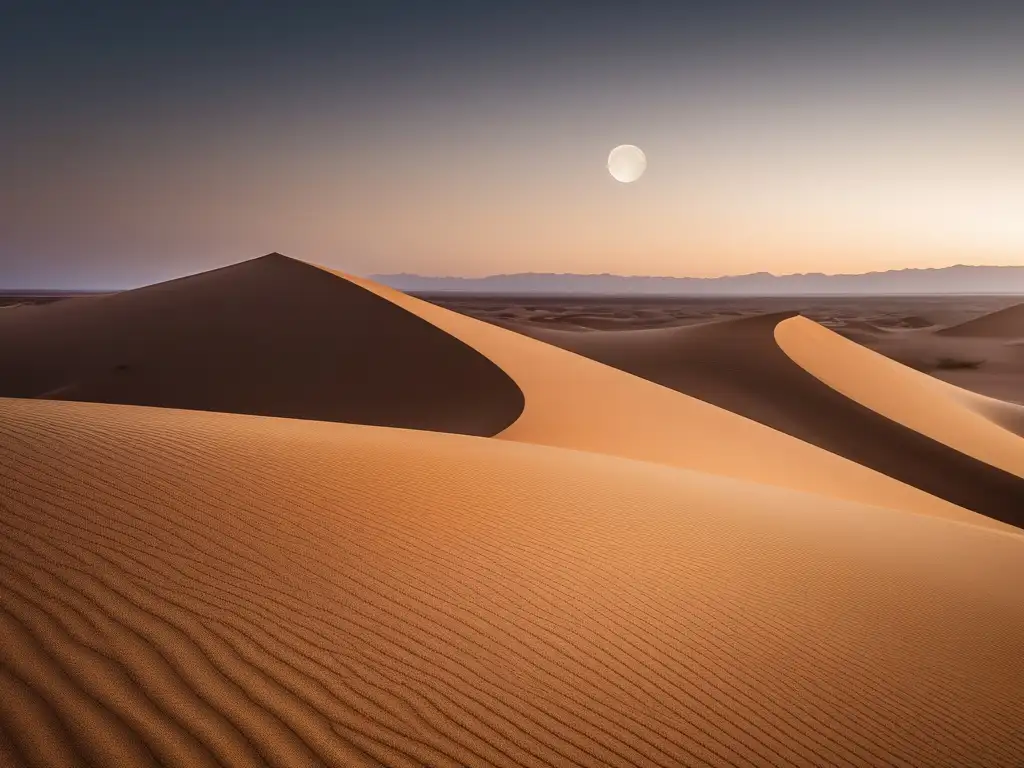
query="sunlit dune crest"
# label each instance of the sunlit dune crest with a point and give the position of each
(573, 402)
(750, 365)
(962, 420)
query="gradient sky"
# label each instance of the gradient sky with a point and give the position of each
(146, 140)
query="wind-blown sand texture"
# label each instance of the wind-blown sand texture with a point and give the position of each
(353, 595)
(185, 587)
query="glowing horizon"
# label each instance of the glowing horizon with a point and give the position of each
(472, 143)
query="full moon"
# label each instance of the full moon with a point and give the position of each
(627, 163)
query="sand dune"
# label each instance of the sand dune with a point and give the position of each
(209, 589)
(738, 365)
(891, 325)
(274, 336)
(990, 366)
(271, 336)
(1003, 324)
(574, 402)
(625, 575)
(915, 321)
(962, 420)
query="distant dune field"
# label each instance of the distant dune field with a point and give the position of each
(315, 521)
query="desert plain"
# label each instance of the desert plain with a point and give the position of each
(274, 514)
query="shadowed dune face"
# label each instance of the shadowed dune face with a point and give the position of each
(278, 337)
(972, 424)
(574, 402)
(1004, 324)
(272, 336)
(738, 365)
(201, 589)
(909, 329)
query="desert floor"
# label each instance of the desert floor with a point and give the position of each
(278, 515)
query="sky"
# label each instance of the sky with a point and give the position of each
(141, 141)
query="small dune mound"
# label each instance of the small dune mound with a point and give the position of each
(1004, 324)
(204, 589)
(915, 321)
(272, 336)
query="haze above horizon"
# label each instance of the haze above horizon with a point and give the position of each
(147, 141)
(955, 279)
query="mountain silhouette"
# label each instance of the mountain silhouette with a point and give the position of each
(958, 279)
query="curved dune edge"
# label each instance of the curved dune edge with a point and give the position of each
(200, 588)
(943, 412)
(573, 402)
(271, 336)
(737, 364)
(1006, 323)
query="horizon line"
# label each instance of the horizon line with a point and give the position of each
(43, 291)
(697, 277)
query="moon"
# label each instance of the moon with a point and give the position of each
(627, 163)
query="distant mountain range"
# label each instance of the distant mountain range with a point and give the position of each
(946, 280)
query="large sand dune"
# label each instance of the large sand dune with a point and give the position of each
(574, 402)
(270, 336)
(187, 588)
(623, 575)
(738, 364)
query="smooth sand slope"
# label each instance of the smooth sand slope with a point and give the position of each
(279, 337)
(900, 327)
(271, 336)
(1004, 324)
(963, 420)
(752, 366)
(187, 588)
(574, 402)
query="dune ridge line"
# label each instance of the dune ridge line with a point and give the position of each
(574, 402)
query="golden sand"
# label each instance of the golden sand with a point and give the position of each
(624, 575)
(209, 589)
